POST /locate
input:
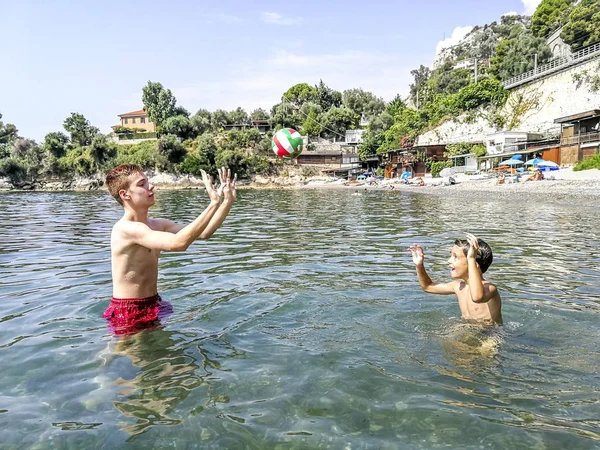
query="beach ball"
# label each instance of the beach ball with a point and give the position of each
(287, 143)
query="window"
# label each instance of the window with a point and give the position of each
(142, 120)
(133, 120)
(126, 121)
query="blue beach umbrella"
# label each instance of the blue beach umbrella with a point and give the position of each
(510, 162)
(534, 162)
(548, 165)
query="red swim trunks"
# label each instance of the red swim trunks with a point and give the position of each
(130, 315)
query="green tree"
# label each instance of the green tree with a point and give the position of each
(583, 27)
(549, 16)
(219, 119)
(337, 120)
(201, 122)
(420, 86)
(312, 126)
(239, 116)
(395, 106)
(102, 151)
(180, 126)
(381, 123)
(327, 97)
(407, 126)
(170, 147)
(159, 103)
(80, 129)
(516, 56)
(56, 144)
(447, 80)
(201, 156)
(300, 93)
(259, 114)
(8, 134)
(370, 145)
(284, 115)
(363, 103)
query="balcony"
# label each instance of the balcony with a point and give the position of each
(583, 138)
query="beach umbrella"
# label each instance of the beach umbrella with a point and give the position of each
(548, 165)
(447, 172)
(534, 162)
(510, 162)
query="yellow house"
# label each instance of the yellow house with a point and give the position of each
(136, 119)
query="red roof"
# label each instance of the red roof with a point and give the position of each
(139, 112)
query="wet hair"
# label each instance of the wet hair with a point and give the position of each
(484, 256)
(118, 178)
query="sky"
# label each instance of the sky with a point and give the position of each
(95, 57)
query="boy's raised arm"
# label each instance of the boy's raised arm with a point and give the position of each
(227, 188)
(475, 279)
(143, 235)
(427, 285)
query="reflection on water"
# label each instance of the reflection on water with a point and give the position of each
(301, 325)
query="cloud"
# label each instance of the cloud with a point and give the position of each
(510, 13)
(530, 6)
(262, 82)
(278, 19)
(455, 38)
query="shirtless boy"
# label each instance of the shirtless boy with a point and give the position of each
(137, 240)
(478, 299)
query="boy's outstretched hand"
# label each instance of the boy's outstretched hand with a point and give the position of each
(213, 194)
(416, 251)
(473, 246)
(230, 194)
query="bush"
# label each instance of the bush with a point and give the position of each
(78, 160)
(13, 169)
(438, 166)
(590, 163)
(144, 154)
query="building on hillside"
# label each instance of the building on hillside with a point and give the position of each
(330, 158)
(508, 141)
(396, 162)
(261, 125)
(504, 144)
(558, 46)
(580, 136)
(136, 119)
(354, 137)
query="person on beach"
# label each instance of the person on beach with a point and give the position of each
(478, 299)
(137, 241)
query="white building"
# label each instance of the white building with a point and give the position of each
(354, 136)
(508, 141)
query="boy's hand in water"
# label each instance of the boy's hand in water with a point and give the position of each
(473, 246)
(213, 194)
(416, 251)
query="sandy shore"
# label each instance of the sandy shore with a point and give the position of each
(562, 186)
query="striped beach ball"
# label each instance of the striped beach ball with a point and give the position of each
(287, 143)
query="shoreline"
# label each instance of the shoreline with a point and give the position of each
(563, 186)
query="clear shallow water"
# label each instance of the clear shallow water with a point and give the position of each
(301, 325)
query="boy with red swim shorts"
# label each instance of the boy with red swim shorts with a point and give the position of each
(137, 240)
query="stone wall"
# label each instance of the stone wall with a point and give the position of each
(556, 96)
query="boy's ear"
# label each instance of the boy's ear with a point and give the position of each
(124, 195)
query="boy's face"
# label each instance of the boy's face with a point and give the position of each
(140, 191)
(459, 267)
